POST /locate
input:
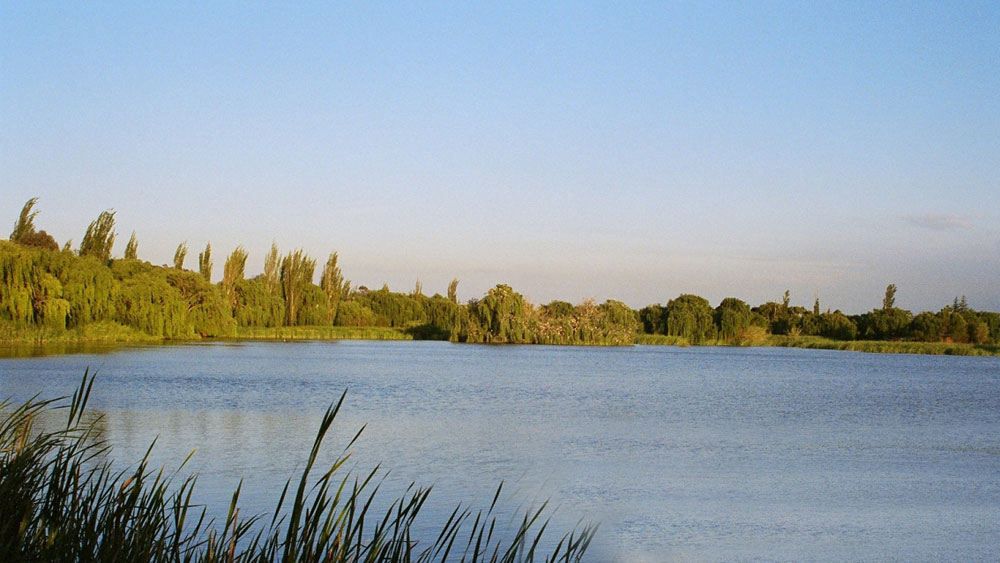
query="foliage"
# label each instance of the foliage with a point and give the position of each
(256, 306)
(232, 273)
(884, 324)
(272, 268)
(296, 275)
(354, 314)
(205, 263)
(65, 501)
(453, 291)
(180, 254)
(393, 309)
(690, 317)
(25, 224)
(334, 286)
(132, 248)
(889, 301)
(732, 317)
(208, 312)
(100, 237)
(499, 317)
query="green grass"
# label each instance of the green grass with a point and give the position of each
(321, 333)
(886, 347)
(63, 502)
(661, 340)
(99, 332)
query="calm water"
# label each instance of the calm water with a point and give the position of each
(681, 454)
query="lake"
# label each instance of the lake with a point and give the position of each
(681, 454)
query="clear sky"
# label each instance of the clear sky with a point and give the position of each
(571, 150)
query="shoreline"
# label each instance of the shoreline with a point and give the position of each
(101, 336)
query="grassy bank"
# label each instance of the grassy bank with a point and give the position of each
(321, 333)
(61, 502)
(105, 332)
(820, 343)
(886, 347)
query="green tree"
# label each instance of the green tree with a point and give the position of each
(180, 254)
(272, 270)
(131, 249)
(100, 237)
(453, 291)
(25, 224)
(498, 317)
(889, 301)
(297, 271)
(732, 317)
(205, 263)
(334, 286)
(690, 317)
(653, 319)
(232, 274)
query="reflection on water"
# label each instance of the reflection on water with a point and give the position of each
(704, 454)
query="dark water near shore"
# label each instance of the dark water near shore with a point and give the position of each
(680, 454)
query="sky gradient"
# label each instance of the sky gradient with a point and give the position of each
(570, 150)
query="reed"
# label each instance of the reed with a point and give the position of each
(320, 332)
(63, 501)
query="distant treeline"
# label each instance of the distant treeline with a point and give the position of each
(48, 290)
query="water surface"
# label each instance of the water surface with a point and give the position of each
(680, 453)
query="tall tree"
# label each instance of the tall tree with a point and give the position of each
(334, 286)
(272, 271)
(25, 224)
(889, 301)
(180, 254)
(816, 306)
(131, 249)
(232, 273)
(453, 291)
(418, 289)
(100, 237)
(205, 263)
(297, 270)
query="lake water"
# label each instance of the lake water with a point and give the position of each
(681, 454)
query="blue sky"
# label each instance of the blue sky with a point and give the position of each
(571, 150)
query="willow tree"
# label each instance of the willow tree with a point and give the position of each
(100, 237)
(232, 273)
(180, 254)
(690, 317)
(131, 249)
(334, 285)
(297, 270)
(732, 317)
(25, 224)
(453, 291)
(205, 263)
(271, 270)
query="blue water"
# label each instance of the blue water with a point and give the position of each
(681, 454)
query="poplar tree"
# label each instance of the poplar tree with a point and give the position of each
(271, 270)
(889, 301)
(131, 248)
(453, 291)
(180, 254)
(100, 237)
(205, 263)
(296, 274)
(232, 273)
(25, 224)
(334, 286)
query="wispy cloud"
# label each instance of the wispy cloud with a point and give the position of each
(939, 221)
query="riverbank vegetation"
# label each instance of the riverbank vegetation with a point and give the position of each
(64, 500)
(52, 294)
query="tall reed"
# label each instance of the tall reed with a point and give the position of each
(63, 501)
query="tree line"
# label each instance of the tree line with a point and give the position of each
(57, 288)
